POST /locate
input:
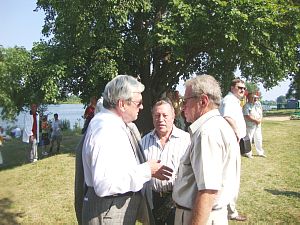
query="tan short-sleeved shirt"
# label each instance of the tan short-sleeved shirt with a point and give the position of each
(211, 162)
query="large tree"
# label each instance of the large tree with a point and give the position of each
(294, 89)
(165, 40)
(15, 69)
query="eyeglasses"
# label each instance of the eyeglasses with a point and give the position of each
(138, 104)
(241, 88)
(185, 99)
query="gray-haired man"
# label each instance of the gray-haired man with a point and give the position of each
(207, 171)
(113, 169)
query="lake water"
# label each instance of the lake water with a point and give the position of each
(71, 112)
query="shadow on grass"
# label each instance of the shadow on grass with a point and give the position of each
(285, 193)
(7, 217)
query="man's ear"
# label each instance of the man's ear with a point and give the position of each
(204, 100)
(121, 104)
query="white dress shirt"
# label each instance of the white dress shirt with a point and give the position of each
(109, 163)
(170, 155)
(28, 123)
(231, 107)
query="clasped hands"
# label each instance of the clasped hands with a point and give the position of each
(160, 171)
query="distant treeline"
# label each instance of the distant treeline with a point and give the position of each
(71, 100)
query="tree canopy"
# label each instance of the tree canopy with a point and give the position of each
(162, 41)
(15, 69)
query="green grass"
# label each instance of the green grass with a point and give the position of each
(42, 193)
(281, 112)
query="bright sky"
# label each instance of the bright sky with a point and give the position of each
(21, 26)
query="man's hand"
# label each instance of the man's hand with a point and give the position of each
(31, 138)
(159, 171)
(258, 122)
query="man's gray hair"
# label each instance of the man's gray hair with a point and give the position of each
(120, 87)
(206, 84)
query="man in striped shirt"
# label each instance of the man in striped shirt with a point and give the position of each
(166, 143)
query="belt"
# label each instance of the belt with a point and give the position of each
(129, 193)
(188, 209)
(162, 194)
(182, 207)
(126, 194)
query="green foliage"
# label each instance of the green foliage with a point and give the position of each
(163, 40)
(65, 123)
(15, 68)
(252, 87)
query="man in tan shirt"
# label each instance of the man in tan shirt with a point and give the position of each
(207, 171)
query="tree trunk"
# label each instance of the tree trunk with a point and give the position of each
(144, 121)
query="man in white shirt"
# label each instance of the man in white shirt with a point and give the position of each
(31, 132)
(166, 143)
(207, 171)
(56, 134)
(232, 112)
(113, 170)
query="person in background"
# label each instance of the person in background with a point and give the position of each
(177, 104)
(206, 177)
(89, 113)
(31, 132)
(115, 170)
(232, 112)
(45, 134)
(4, 136)
(253, 116)
(99, 105)
(56, 134)
(166, 143)
(16, 132)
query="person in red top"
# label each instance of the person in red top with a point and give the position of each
(89, 113)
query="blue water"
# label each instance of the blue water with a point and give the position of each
(71, 112)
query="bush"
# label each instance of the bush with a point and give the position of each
(65, 124)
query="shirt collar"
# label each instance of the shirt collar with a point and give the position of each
(201, 120)
(114, 115)
(175, 132)
(231, 94)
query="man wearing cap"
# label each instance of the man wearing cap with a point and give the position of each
(252, 111)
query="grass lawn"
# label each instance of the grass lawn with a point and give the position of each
(42, 193)
(281, 112)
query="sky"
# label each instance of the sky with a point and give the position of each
(21, 26)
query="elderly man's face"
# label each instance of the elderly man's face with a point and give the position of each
(163, 119)
(190, 106)
(133, 107)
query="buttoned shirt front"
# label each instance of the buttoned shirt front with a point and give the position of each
(231, 107)
(109, 163)
(170, 155)
(210, 163)
(253, 110)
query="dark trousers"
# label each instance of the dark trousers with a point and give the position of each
(164, 210)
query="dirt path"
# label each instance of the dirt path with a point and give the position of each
(277, 118)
